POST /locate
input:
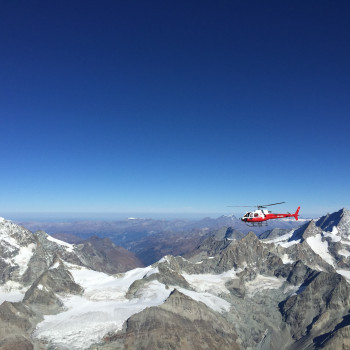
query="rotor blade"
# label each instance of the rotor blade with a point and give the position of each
(241, 206)
(267, 205)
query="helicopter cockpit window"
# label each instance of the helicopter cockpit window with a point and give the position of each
(251, 215)
(247, 215)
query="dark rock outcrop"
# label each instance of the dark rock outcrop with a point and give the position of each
(324, 292)
(101, 254)
(42, 293)
(17, 321)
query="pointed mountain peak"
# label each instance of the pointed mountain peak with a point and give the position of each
(311, 230)
(176, 294)
(339, 219)
(307, 230)
(14, 234)
(250, 237)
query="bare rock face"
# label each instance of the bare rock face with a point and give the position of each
(214, 244)
(16, 343)
(305, 231)
(16, 323)
(274, 233)
(304, 252)
(326, 292)
(42, 293)
(338, 338)
(101, 254)
(249, 251)
(179, 323)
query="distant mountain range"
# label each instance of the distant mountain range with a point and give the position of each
(151, 239)
(286, 289)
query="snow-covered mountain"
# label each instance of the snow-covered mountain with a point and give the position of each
(289, 290)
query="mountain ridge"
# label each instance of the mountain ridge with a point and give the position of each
(230, 292)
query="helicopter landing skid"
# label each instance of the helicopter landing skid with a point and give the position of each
(257, 224)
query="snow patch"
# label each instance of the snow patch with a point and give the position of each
(164, 259)
(11, 291)
(344, 273)
(280, 239)
(321, 248)
(344, 252)
(283, 240)
(23, 257)
(286, 260)
(263, 282)
(9, 241)
(210, 283)
(151, 272)
(288, 244)
(55, 265)
(64, 244)
(333, 235)
(210, 300)
(100, 286)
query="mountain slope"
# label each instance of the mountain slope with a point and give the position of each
(285, 292)
(178, 323)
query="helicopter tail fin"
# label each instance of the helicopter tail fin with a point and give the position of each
(296, 214)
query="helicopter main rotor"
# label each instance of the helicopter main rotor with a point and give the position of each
(259, 206)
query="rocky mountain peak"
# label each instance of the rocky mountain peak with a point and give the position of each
(340, 220)
(309, 229)
(247, 251)
(14, 234)
(250, 238)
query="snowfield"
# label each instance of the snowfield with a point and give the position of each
(69, 247)
(102, 308)
(23, 257)
(263, 282)
(214, 284)
(321, 248)
(11, 291)
(212, 301)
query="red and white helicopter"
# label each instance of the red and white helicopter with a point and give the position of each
(261, 215)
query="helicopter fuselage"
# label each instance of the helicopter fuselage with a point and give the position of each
(264, 215)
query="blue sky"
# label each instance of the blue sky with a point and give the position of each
(174, 107)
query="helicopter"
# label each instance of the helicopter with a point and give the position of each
(261, 215)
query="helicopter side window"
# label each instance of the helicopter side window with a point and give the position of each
(251, 215)
(256, 215)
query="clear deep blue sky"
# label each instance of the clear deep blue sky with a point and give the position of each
(174, 106)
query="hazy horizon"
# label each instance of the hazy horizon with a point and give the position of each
(88, 216)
